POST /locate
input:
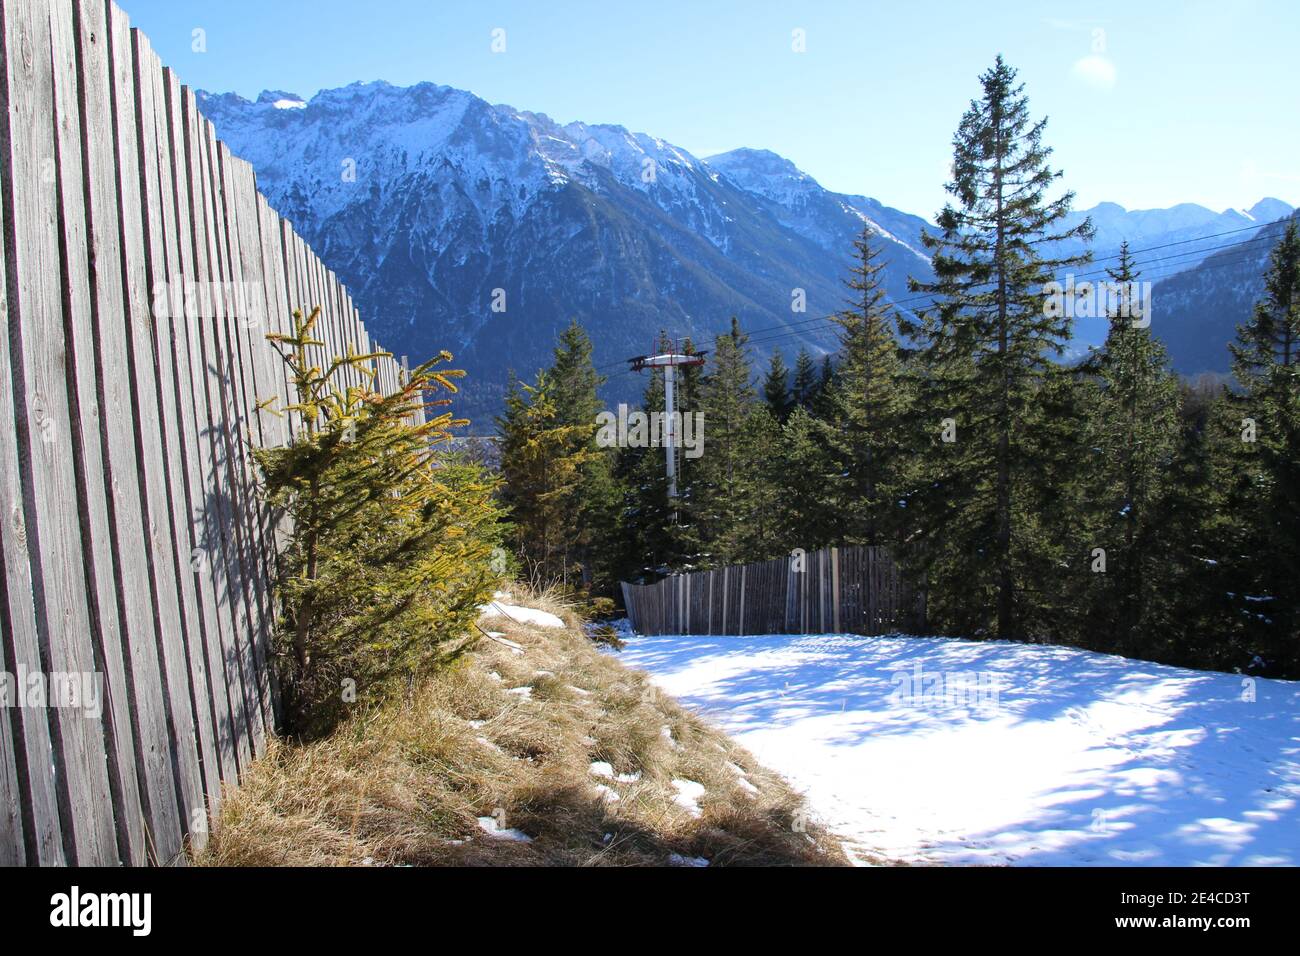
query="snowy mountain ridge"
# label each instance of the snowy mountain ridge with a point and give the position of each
(435, 207)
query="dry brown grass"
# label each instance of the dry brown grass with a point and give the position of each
(407, 784)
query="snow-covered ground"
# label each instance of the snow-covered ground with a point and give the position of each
(935, 750)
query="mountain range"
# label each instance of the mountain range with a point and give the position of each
(483, 230)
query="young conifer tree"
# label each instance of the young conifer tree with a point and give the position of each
(389, 557)
(803, 389)
(544, 462)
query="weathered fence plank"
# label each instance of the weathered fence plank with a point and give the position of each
(174, 618)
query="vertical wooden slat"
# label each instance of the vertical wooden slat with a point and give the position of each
(173, 617)
(12, 851)
(196, 601)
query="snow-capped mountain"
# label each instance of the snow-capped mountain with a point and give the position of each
(1196, 312)
(1165, 243)
(483, 229)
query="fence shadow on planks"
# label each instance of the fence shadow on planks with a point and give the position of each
(135, 548)
(855, 590)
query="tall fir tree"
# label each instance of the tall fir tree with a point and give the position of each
(1266, 456)
(776, 387)
(864, 428)
(1132, 441)
(984, 355)
(596, 500)
(725, 473)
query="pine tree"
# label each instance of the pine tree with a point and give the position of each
(596, 500)
(761, 530)
(1193, 621)
(826, 379)
(725, 473)
(804, 389)
(1266, 459)
(810, 482)
(864, 428)
(1133, 435)
(984, 354)
(575, 381)
(544, 457)
(389, 557)
(776, 387)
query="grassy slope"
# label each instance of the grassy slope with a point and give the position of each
(407, 784)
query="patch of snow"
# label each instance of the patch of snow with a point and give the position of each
(493, 829)
(688, 795)
(676, 859)
(524, 691)
(602, 768)
(476, 724)
(607, 793)
(522, 615)
(1083, 759)
(748, 787)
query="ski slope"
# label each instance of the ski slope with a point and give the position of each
(936, 750)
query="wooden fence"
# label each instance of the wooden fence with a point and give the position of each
(855, 590)
(135, 549)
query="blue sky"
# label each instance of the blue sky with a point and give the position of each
(1151, 103)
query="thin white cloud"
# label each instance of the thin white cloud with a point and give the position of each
(1097, 71)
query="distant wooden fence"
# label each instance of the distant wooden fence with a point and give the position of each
(134, 545)
(855, 590)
